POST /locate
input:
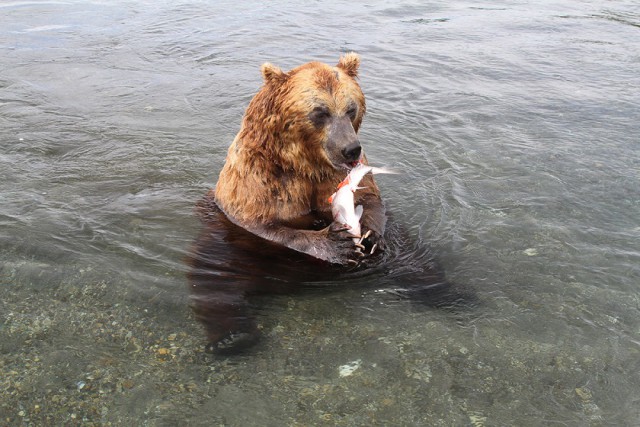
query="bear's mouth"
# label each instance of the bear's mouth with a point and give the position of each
(351, 165)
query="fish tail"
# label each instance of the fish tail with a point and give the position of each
(383, 169)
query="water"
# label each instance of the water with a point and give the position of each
(515, 126)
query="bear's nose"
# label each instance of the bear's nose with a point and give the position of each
(352, 152)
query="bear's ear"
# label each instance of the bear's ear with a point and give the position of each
(349, 62)
(271, 73)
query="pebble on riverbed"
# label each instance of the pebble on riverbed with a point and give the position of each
(349, 369)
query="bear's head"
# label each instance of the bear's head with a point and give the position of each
(306, 120)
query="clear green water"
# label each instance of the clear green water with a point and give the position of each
(515, 124)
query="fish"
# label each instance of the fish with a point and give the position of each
(342, 201)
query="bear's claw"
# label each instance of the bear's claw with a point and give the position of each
(233, 342)
(366, 235)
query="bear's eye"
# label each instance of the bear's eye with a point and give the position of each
(319, 116)
(352, 112)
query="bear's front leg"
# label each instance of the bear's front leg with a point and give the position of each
(332, 244)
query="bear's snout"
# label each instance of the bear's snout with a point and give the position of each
(343, 146)
(352, 152)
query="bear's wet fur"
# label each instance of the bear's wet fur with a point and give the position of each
(298, 138)
(267, 224)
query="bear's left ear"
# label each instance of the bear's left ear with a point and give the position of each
(271, 73)
(349, 62)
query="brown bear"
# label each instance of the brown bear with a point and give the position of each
(267, 225)
(299, 137)
(269, 217)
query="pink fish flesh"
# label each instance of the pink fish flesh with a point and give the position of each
(342, 201)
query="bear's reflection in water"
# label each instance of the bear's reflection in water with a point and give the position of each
(230, 267)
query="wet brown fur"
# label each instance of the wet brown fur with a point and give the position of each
(278, 169)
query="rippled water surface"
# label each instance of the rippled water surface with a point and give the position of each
(515, 125)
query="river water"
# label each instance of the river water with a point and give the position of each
(515, 126)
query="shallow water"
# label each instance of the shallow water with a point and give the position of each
(516, 127)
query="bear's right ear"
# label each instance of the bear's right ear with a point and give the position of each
(271, 73)
(350, 62)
